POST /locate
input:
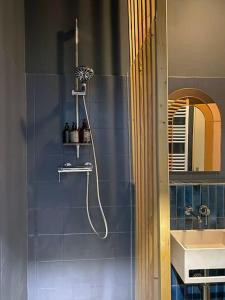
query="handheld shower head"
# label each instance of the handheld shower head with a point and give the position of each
(83, 73)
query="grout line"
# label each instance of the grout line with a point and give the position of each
(84, 259)
(73, 234)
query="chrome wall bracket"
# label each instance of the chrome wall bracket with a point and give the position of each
(79, 93)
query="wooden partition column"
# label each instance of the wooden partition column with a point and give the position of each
(148, 86)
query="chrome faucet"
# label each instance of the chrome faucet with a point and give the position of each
(204, 211)
(189, 211)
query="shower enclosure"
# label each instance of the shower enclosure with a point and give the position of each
(66, 260)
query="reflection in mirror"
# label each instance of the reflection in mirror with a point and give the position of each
(187, 140)
(194, 133)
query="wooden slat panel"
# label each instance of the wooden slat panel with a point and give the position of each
(163, 182)
(150, 235)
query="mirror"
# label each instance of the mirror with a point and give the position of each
(187, 140)
(194, 132)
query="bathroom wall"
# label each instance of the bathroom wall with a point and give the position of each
(103, 26)
(196, 45)
(195, 195)
(66, 260)
(13, 204)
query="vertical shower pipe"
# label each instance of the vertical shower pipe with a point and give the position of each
(93, 147)
(76, 80)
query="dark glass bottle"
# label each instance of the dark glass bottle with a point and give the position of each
(66, 133)
(74, 134)
(85, 132)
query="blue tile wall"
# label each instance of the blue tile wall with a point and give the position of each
(66, 260)
(195, 195)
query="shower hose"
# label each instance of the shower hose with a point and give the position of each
(97, 185)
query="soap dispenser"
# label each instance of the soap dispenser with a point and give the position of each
(66, 133)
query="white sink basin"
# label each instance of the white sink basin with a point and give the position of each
(198, 250)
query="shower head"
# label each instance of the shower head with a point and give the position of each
(83, 73)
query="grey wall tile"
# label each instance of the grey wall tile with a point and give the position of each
(76, 221)
(108, 89)
(46, 168)
(112, 193)
(47, 99)
(109, 141)
(107, 272)
(106, 115)
(86, 246)
(50, 221)
(119, 219)
(51, 275)
(68, 193)
(49, 248)
(48, 140)
(114, 167)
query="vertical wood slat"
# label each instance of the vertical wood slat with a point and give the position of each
(147, 259)
(162, 90)
(140, 123)
(151, 222)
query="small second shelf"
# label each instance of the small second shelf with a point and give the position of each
(77, 144)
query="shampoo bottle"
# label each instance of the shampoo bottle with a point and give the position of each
(74, 134)
(86, 134)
